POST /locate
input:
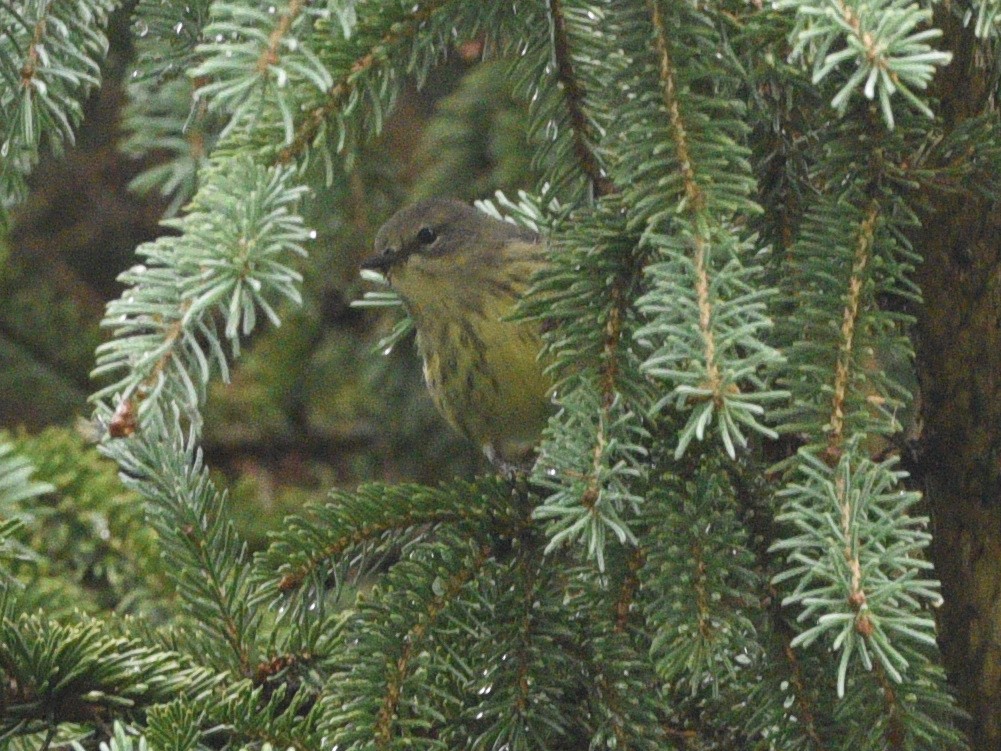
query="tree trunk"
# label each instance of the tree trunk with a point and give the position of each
(959, 365)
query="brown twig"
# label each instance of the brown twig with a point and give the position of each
(630, 586)
(270, 55)
(574, 97)
(30, 66)
(849, 321)
(695, 199)
(394, 685)
(340, 91)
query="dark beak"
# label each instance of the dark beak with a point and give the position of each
(380, 262)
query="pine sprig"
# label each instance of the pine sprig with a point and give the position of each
(591, 459)
(355, 527)
(786, 699)
(705, 306)
(577, 116)
(563, 53)
(917, 714)
(849, 254)
(201, 291)
(516, 683)
(161, 118)
(210, 565)
(369, 702)
(698, 590)
(593, 450)
(627, 707)
(878, 43)
(261, 53)
(50, 60)
(77, 673)
(175, 726)
(366, 64)
(856, 562)
(251, 716)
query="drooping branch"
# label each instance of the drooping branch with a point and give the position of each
(695, 199)
(343, 88)
(413, 642)
(849, 321)
(574, 97)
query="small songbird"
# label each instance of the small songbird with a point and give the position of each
(459, 273)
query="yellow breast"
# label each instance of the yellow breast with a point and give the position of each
(483, 372)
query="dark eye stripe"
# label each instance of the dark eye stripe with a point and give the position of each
(426, 236)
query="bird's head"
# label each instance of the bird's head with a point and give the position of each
(438, 245)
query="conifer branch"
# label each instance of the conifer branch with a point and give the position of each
(868, 545)
(755, 496)
(270, 55)
(383, 730)
(76, 672)
(699, 589)
(31, 53)
(231, 263)
(604, 397)
(338, 94)
(695, 203)
(573, 97)
(294, 579)
(124, 421)
(50, 60)
(693, 192)
(879, 39)
(706, 307)
(210, 568)
(377, 516)
(849, 319)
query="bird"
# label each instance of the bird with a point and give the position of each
(460, 273)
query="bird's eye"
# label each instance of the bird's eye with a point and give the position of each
(426, 236)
